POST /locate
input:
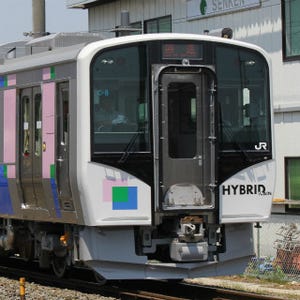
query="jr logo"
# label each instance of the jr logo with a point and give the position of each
(261, 146)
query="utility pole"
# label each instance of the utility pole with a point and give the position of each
(38, 18)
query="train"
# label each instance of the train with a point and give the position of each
(147, 156)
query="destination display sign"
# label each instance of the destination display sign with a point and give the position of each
(171, 50)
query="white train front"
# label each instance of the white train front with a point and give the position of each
(139, 157)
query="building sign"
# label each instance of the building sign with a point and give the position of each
(207, 8)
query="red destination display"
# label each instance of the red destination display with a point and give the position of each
(181, 50)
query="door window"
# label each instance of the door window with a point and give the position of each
(62, 150)
(26, 125)
(182, 119)
(38, 124)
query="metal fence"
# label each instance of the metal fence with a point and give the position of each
(277, 248)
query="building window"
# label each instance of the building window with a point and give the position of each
(291, 29)
(138, 26)
(163, 24)
(292, 180)
(134, 29)
(131, 30)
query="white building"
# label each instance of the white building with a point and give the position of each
(272, 24)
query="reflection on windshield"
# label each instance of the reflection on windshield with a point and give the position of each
(120, 101)
(243, 100)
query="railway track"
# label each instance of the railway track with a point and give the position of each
(147, 289)
(182, 291)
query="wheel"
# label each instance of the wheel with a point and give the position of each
(26, 251)
(59, 266)
(24, 245)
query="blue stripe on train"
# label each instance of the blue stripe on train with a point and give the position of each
(55, 197)
(5, 199)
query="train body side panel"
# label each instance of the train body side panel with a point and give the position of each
(48, 128)
(1, 123)
(12, 201)
(247, 196)
(110, 197)
(114, 198)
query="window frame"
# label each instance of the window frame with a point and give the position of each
(157, 23)
(286, 57)
(136, 25)
(220, 89)
(92, 138)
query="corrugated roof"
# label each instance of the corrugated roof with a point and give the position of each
(86, 3)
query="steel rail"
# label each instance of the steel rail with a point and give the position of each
(82, 280)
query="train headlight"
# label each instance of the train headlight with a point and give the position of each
(64, 240)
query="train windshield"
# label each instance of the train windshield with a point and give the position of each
(243, 95)
(119, 106)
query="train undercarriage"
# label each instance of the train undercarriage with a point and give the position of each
(58, 246)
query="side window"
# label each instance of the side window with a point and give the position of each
(31, 122)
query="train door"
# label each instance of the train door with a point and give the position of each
(31, 147)
(62, 153)
(187, 133)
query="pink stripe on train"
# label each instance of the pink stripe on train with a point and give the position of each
(9, 139)
(48, 127)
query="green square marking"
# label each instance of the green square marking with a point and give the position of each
(3, 81)
(52, 171)
(5, 171)
(120, 194)
(52, 72)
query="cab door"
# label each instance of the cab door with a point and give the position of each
(187, 133)
(31, 147)
(62, 142)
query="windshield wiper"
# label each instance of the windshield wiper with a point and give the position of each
(128, 148)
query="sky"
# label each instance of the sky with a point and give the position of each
(16, 18)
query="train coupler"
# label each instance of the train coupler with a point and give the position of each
(181, 251)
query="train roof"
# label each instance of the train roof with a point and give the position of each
(180, 36)
(66, 54)
(96, 46)
(47, 50)
(65, 47)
